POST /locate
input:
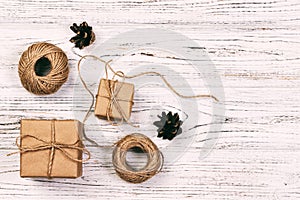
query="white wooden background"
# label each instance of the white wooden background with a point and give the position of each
(255, 47)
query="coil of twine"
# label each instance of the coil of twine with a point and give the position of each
(43, 68)
(126, 172)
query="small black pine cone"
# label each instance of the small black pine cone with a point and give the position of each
(168, 126)
(84, 35)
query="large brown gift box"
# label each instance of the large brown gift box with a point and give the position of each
(123, 95)
(38, 134)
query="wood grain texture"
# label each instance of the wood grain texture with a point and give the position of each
(253, 44)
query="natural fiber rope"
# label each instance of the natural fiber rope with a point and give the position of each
(155, 158)
(123, 76)
(50, 83)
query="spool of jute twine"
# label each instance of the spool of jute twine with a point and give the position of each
(43, 68)
(142, 142)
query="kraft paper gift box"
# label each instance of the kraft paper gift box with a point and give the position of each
(38, 135)
(123, 95)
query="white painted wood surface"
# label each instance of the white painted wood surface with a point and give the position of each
(255, 47)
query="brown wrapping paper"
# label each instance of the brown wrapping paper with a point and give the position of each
(124, 98)
(35, 163)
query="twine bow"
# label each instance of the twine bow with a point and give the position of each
(52, 146)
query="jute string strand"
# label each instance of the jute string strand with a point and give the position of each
(50, 83)
(163, 79)
(112, 91)
(52, 145)
(155, 157)
(123, 76)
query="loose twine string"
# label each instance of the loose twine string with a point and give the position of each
(42, 85)
(155, 157)
(52, 146)
(113, 93)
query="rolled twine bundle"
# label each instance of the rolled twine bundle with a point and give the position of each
(127, 173)
(33, 72)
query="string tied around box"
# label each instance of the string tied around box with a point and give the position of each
(111, 90)
(123, 76)
(52, 146)
(43, 68)
(135, 140)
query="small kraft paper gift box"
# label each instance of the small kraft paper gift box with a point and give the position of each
(114, 99)
(51, 148)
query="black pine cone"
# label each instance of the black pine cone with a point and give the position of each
(84, 35)
(168, 126)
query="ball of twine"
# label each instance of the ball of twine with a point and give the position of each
(43, 84)
(136, 140)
